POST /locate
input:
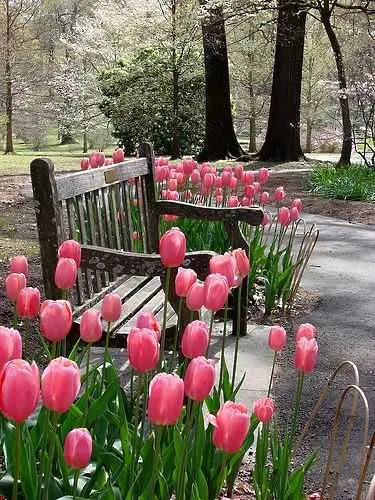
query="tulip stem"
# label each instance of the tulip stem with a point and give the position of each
(178, 333)
(155, 466)
(235, 359)
(210, 332)
(75, 484)
(164, 327)
(16, 461)
(136, 421)
(87, 376)
(297, 403)
(181, 475)
(43, 452)
(271, 376)
(105, 357)
(222, 356)
(51, 453)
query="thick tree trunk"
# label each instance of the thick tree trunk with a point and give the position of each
(252, 119)
(176, 146)
(220, 138)
(309, 127)
(346, 148)
(282, 142)
(9, 148)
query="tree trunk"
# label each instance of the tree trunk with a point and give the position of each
(282, 142)
(309, 121)
(346, 148)
(176, 147)
(9, 148)
(309, 127)
(252, 119)
(220, 139)
(85, 144)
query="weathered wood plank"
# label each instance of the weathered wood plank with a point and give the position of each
(78, 183)
(139, 263)
(141, 207)
(251, 215)
(74, 234)
(127, 222)
(92, 229)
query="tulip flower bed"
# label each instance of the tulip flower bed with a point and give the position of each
(173, 430)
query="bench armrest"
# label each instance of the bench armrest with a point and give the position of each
(138, 264)
(251, 215)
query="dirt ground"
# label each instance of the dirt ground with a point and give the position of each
(18, 236)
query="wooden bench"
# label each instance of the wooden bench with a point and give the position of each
(114, 213)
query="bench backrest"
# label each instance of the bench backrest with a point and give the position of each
(110, 206)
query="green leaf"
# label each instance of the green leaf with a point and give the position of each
(99, 406)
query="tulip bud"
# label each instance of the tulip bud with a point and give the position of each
(224, 265)
(19, 265)
(70, 249)
(266, 219)
(265, 198)
(216, 292)
(143, 349)
(199, 378)
(28, 302)
(90, 327)
(184, 280)
(61, 381)
(19, 390)
(283, 216)
(166, 398)
(294, 214)
(85, 164)
(55, 319)
(195, 296)
(118, 155)
(172, 248)
(249, 191)
(66, 273)
(264, 409)
(298, 204)
(242, 262)
(195, 339)
(13, 284)
(279, 194)
(233, 202)
(305, 355)
(231, 424)
(248, 178)
(10, 345)
(111, 307)
(78, 448)
(263, 175)
(306, 330)
(148, 320)
(277, 338)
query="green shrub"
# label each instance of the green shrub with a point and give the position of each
(352, 183)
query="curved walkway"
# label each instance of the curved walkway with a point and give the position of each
(342, 272)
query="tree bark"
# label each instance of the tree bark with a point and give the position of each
(252, 118)
(176, 146)
(282, 142)
(9, 148)
(346, 147)
(220, 139)
(309, 120)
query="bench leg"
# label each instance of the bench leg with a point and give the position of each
(243, 299)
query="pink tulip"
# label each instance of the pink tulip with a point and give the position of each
(195, 296)
(195, 177)
(233, 183)
(305, 355)
(19, 265)
(219, 199)
(172, 195)
(216, 291)
(180, 177)
(136, 236)
(90, 327)
(195, 339)
(279, 194)
(166, 398)
(219, 184)
(264, 409)
(143, 349)
(172, 184)
(108, 161)
(225, 265)
(249, 191)
(242, 262)
(266, 219)
(101, 158)
(148, 320)
(118, 155)
(277, 338)
(19, 390)
(257, 187)
(231, 424)
(294, 214)
(226, 178)
(66, 273)
(61, 381)
(199, 378)
(233, 202)
(10, 345)
(55, 319)
(172, 248)
(265, 198)
(188, 166)
(14, 283)
(248, 178)
(85, 164)
(283, 216)
(78, 448)
(70, 249)
(263, 175)
(238, 172)
(111, 307)
(307, 331)
(185, 278)
(298, 204)
(28, 302)
(170, 218)
(94, 160)
(245, 202)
